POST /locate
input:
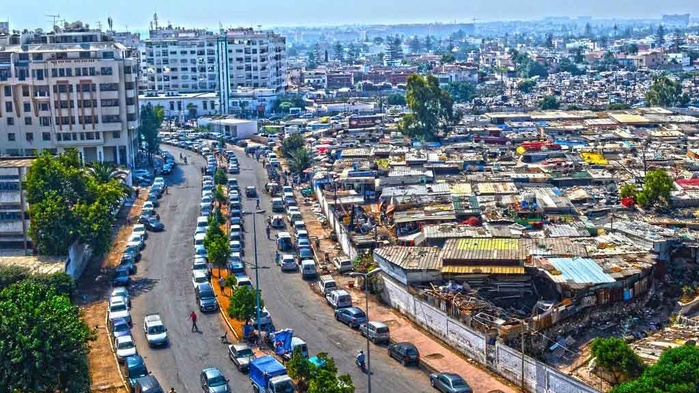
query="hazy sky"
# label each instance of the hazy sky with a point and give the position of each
(208, 13)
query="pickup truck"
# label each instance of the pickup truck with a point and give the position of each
(269, 376)
(156, 333)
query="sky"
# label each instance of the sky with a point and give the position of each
(268, 13)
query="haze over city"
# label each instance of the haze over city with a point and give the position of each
(208, 13)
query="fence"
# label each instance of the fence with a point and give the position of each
(343, 236)
(507, 362)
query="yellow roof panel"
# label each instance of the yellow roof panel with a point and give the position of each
(483, 269)
(488, 244)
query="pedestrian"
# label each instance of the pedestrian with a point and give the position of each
(221, 284)
(268, 231)
(193, 318)
(317, 244)
(258, 204)
(327, 257)
(172, 390)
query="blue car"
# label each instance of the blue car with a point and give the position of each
(351, 316)
(119, 327)
(305, 253)
(135, 369)
(121, 277)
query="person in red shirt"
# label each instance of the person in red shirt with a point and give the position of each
(193, 318)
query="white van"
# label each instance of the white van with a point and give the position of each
(339, 299)
(327, 284)
(202, 222)
(308, 268)
(199, 239)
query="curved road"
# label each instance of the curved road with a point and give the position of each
(163, 285)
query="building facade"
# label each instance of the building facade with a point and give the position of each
(14, 216)
(72, 87)
(187, 60)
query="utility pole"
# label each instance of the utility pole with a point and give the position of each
(54, 18)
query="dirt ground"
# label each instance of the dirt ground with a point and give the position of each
(93, 288)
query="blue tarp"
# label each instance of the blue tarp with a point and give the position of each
(581, 270)
(282, 341)
(265, 367)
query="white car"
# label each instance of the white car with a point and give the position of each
(123, 292)
(148, 205)
(207, 199)
(156, 333)
(200, 265)
(125, 347)
(140, 229)
(137, 239)
(288, 262)
(199, 230)
(199, 277)
(265, 318)
(236, 246)
(119, 308)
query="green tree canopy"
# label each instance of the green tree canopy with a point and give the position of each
(218, 252)
(292, 143)
(299, 161)
(220, 177)
(666, 92)
(243, 304)
(395, 99)
(616, 356)
(148, 128)
(300, 369)
(44, 341)
(526, 85)
(462, 91)
(677, 371)
(628, 190)
(325, 379)
(656, 188)
(432, 108)
(549, 102)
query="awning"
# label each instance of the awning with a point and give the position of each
(483, 269)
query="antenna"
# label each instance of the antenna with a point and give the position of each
(99, 25)
(54, 18)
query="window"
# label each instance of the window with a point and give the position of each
(43, 106)
(27, 107)
(45, 136)
(27, 121)
(110, 119)
(61, 72)
(25, 91)
(106, 70)
(108, 55)
(109, 87)
(45, 121)
(69, 72)
(10, 121)
(116, 134)
(29, 136)
(8, 107)
(11, 136)
(110, 102)
(205, 105)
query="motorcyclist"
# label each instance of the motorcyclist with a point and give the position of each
(360, 361)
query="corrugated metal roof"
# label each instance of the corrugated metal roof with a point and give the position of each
(461, 189)
(580, 271)
(412, 258)
(508, 249)
(483, 269)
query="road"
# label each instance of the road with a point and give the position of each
(163, 285)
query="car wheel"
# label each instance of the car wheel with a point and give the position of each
(403, 362)
(431, 382)
(337, 317)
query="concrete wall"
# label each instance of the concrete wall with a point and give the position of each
(343, 236)
(78, 257)
(507, 362)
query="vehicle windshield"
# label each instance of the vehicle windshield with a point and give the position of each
(156, 329)
(458, 383)
(121, 327)
(125, 345)
(118, 307)
(139, 371)
(284, 387)
(245, 353)
(217, 381)
(359, 314)
(410, 351)
(206, 294)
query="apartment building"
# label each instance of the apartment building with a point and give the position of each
(14, 217)
(72, 87)
(188, 61)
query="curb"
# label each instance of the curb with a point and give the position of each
(228, 323)
(116, 360)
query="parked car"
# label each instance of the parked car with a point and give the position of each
(201, 266)
(375, 331)
(121, 276)
(241, 355)
(351, 316)
(305, 253)
(128, 262)
(137, 240)
(154, 225)
(405, 352)
(206, 298)
(449, 383)
(119, 327)
(265, 318)
(140, 229)
(343, 264)
(288, 262)
(236, 246)
(135, 369)
(213, 381)
(250, 192)
(199, 277)
(125, 347)
(236, 263)
(123, 292)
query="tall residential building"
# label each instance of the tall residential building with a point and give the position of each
(72, 87)
(188, 60)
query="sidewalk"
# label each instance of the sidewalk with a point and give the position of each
(433, 354)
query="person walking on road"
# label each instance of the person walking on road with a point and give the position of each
(258, 204)
(193, 318)
(222, 284)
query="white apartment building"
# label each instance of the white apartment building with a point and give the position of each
(187, 60)
(72, 87)
(14, 216)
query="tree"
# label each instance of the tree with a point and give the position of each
(218, 252)
(462, 91)
(616, 356)
(44, 342)
(549, 102)
(300, 369)
(432, 108)
(192, 110)
(526, 85)
(292, 143)
(660, 35)
(588, 30)
(159, 112)
(395, 99)
(414, 44)
(448, 58)
(220, 177)
(656, 188)
(219, 195)
(107, 172)
(338, 51)
(549, 41)
(631, 48)
(617, 106)
(243, 304)
(299, 161)
(213, 232)
(325, 379)
(148, 129)
(666, 92)
(676, 371)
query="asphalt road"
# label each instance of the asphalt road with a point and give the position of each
(163, 285)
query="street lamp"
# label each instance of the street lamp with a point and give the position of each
(257, 270)
(366, 293)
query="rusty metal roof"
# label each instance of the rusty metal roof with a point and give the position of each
(508, 249)
(412, 258)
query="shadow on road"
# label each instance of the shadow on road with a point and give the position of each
(141, 285)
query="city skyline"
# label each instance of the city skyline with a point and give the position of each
(276, 13)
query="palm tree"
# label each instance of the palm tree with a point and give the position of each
(300, 160)
(104, 172)
(192, 109)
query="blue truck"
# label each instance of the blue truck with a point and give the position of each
(268, 375)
